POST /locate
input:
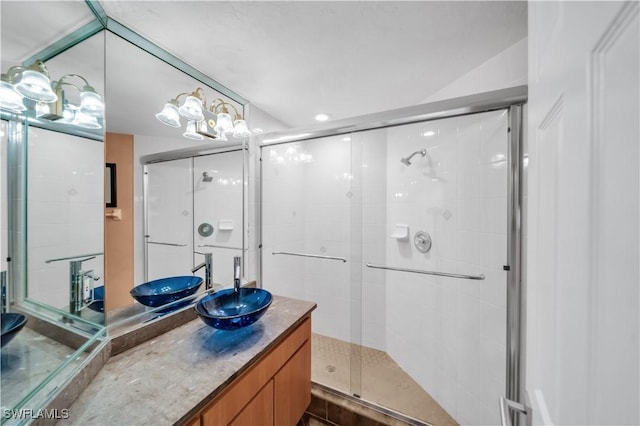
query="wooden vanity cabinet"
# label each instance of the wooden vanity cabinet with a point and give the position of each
(276, 390)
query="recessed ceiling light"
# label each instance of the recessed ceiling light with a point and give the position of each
(322, 117)
(429, 133)
(347, 138)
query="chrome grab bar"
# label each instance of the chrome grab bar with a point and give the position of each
(222, 247)
(317, 256)
(419, 271)
(505, 406)
(88, 257)
(166, 244)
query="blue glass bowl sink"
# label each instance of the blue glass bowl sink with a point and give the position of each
(11, 325)
(165, 290)
(226, 310)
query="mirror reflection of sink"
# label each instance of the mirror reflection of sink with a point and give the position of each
(98, 300)
(11, 325)
(165, 290)
(226, 310)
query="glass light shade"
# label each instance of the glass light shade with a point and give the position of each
(224, 123)
(201, 127)
(36, 86)
(190, 132)
(91, 103)
(86, 121)
(69, 114)
(240, 129)
(42, 109)
(192, 109)
(169, 115)
(221, 136)
(10, 99)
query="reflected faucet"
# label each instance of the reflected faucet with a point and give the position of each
(76, 280)
(236, 274)
(207, 264)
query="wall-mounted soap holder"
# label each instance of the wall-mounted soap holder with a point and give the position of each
(400, 232)
(422, 241)
(225, 225)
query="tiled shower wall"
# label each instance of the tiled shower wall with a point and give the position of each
(65, 211)
(449, 333)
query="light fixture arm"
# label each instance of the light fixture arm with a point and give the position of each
(61, 81)
(199, 93)
(214, 108)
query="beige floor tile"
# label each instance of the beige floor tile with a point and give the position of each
(383, 382)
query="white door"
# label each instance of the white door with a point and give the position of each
(582, 357)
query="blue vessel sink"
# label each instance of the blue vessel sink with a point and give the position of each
(165, 290)
(98, 300)
(11, 325)
(226, 310)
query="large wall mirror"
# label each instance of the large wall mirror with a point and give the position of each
(71, 260)
(52, 190)
(181, 194)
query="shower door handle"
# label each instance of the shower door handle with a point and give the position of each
(506, 406)
(315, 256)
(166, 244)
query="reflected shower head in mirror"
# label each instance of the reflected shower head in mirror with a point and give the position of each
(206, 177)
(407, 160)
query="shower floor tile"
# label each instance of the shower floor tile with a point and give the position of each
(383, 381)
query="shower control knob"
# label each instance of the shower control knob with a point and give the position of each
(422, 241)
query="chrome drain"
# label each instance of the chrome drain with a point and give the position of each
(331, 368)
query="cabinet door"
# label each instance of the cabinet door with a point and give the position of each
(258, 412)
(293, 387)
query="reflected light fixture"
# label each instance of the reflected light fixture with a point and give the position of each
(34, 83)
(322, 117)
(190, 131)
(49, 101)
(201, 117)
(10, 99)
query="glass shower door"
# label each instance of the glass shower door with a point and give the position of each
(307, 233)
(441, 357)
(169, 219)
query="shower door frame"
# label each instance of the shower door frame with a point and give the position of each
(512, 100)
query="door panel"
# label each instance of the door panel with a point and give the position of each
(582, 311)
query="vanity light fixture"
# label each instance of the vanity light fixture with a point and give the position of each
(32, 83)
(91, 104)
(50, 103)
(200, 117)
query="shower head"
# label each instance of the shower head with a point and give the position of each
(206, 177)
(407, 160)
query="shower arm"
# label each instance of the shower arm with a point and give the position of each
(423, 152)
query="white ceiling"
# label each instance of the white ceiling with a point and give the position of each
(295, 59)
(291, 59)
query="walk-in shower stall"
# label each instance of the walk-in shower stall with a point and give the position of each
(404, 228)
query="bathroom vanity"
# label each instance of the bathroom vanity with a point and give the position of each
(196, 375)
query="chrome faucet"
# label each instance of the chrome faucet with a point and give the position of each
(207, 264)
(76, 281)
(236, 274)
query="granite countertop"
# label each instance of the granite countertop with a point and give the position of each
(168, 379)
